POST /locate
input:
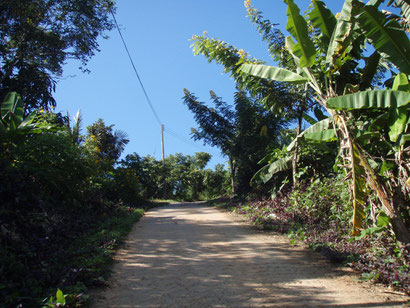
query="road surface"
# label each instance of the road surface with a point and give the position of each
(193, 255)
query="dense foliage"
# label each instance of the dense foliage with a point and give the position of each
(180, 177)
(66, 199)
(362, 138)
(38, 37)
(50, 199)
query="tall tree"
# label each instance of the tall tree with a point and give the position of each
(289, 101)
(108, 143)
(243, 134)
(38, 36)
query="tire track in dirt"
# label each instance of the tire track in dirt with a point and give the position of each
(192, 255)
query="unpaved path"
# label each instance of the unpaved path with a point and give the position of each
(192, 255)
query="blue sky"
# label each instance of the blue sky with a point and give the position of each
(157, 34)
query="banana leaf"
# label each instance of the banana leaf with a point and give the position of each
(304, 48)
(302, 71)
(318, 127)
(404, 6)
(360, 191)
(290, 44)
(12, 104)
(309, 119)
(13, 122)
(324, 135)
(27, 122)
(265, 173)
(322, 18)
(398, 118)
(401, 83)
(386, 36)
(369, 99)
(272, 73)
(341, 36)
(319, 114)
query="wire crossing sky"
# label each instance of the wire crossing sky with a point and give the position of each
(167, 130)
(135, 70)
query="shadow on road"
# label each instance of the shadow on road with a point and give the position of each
(191, 255)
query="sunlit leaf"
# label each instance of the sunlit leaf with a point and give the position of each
(265, 173)
(401, 83)
(322, 18)
(341, 36)
(382, 220)
(28, 120)
(272, 73)
(60, 299)
(404, 138)
(318, 127)
(369, 99)
(325, 135)
(304, 48)
(398, 118)
(387, 37)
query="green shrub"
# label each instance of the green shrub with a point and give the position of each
(323, 201)
(53, 167)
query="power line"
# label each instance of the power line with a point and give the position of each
(135, 70)
(187, 141)
(180, 138)
(167, 130)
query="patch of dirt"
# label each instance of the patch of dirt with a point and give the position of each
(193, 255)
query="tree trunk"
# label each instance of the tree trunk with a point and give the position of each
(233, 172)
(400, 230)
(388, 204)
(295, 154)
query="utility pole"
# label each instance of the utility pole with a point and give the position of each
(163, 161)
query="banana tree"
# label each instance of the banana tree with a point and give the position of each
(13, 124)
(290, 101)
(329, 68)
(320, 131)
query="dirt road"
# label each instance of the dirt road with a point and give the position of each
(192, 255)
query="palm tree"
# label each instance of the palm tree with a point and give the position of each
(75, 131)
(120, 140)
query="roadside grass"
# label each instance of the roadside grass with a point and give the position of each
(90, 257)
(58, 270)
(224, 203)
(87, 260)
(159, 202)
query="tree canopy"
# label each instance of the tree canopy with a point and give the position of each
(243, 133)
(37, 37)
(108, 143)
